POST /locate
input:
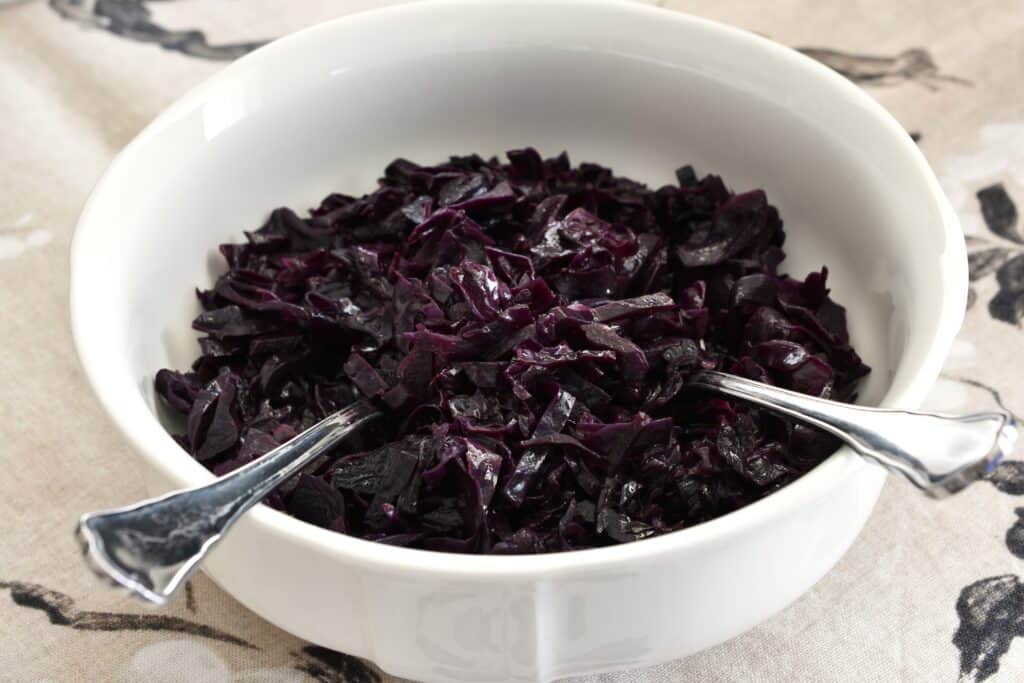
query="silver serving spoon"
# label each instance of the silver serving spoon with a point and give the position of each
(151, 547)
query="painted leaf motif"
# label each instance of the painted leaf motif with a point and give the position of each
(914, 64)
(1008, 304)
(1015, 535)
(991, 615)
(1011, 274)
(999, 212)
(984, 262)
(1008, 477)
(132, 19)
(62, 610)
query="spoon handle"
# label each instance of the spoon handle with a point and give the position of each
(151, 547)
(940, 454)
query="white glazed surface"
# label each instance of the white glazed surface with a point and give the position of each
(641, 90)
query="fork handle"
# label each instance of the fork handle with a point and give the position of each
(939, 454)
(151, 547)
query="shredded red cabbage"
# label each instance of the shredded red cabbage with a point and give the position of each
(528, 329)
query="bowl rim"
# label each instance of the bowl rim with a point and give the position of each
(814, 484)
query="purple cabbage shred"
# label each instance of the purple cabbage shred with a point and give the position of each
(527, 328)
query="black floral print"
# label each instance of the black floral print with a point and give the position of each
(1001, 254)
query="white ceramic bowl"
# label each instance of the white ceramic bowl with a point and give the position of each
(637, 88)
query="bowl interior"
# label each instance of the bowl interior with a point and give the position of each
(339, 134)
(328, 110)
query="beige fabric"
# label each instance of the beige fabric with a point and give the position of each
(70, 98)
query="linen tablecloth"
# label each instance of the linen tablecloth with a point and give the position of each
(929, 592)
